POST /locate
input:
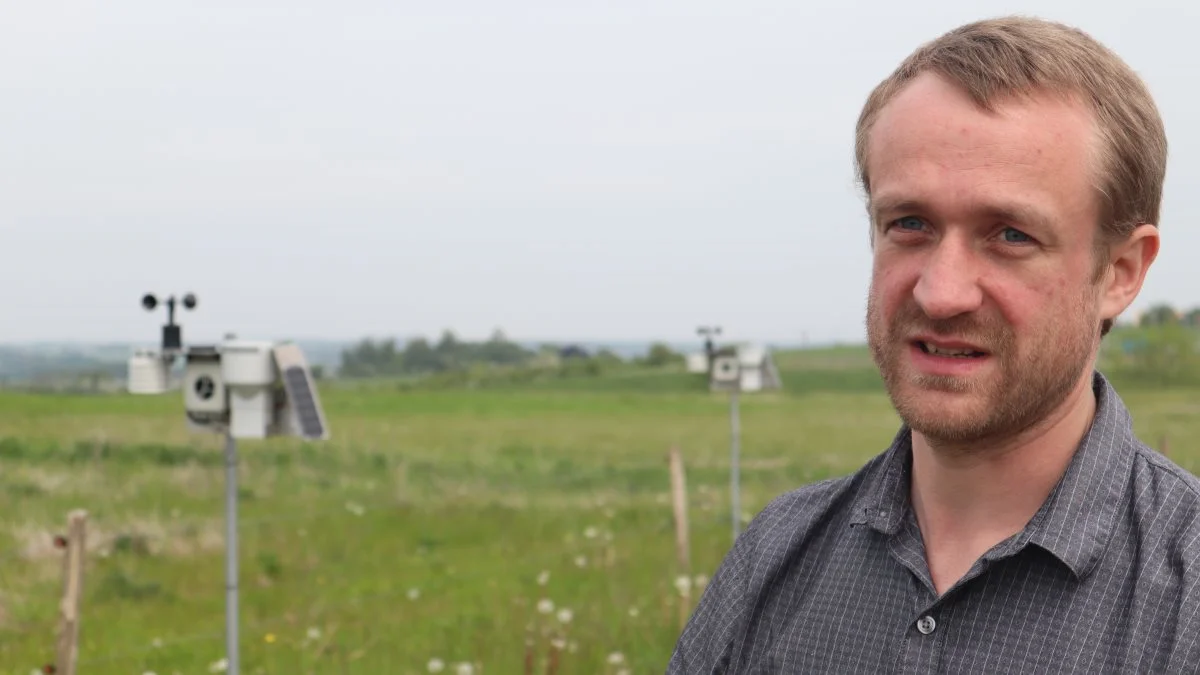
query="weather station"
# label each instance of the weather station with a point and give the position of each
(741, 369)
(241, 389)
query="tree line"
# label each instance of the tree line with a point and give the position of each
(1166, 315)
(419, 356)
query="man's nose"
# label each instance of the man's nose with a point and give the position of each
(949, 281)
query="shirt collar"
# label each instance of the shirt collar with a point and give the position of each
(1074, 523)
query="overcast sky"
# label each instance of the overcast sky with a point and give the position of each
(562, 170)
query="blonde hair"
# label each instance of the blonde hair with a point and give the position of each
(1009, 57)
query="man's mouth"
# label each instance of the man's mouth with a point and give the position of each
(951, 351)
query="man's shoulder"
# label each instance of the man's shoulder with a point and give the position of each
(1166, 497)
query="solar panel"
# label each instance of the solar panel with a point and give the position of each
(301, 392)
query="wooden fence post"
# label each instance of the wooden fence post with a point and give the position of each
(679, 501)
(682, 544)
(73, 561)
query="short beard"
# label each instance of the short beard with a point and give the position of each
(1031, 381)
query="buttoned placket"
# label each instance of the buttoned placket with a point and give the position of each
(923, 636)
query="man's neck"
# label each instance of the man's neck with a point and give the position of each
(966, 502)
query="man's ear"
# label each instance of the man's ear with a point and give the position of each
(1129, 260)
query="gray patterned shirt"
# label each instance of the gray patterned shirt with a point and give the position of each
(832, 577)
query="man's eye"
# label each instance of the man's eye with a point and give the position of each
(1015, 236)
(911, 223)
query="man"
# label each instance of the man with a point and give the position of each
(1013, 171)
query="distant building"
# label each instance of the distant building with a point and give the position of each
(573, 352)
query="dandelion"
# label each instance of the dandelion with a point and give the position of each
(436, 665)
(591, 532)
(616, 659)
(565, 615)
(464, 669)
(414, 593)
(581, 561)
(269, 638)
(545, 605)
(543, 578)
(683, 584)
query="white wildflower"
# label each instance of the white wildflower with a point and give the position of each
(219, 666)
(683, 584)
(565, 615)
(356, 509)
(436, 665)
(581, 561)
(558, 643)
(464, 669)
(633, 612)
(414, 593)
(616, 659)
(591, 532)
(545, 605)
(314, 633)
(543, 578)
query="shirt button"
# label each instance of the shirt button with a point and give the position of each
(926, 624)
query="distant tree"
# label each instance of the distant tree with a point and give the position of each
(1159, 315)
(448, 345)
(1192, 318)
(419, 357)
(368, 358)
(608, 357)
(662, 355)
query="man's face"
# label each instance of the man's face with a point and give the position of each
(983, 312)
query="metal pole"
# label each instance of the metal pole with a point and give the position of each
(231, 554)
(734, 451)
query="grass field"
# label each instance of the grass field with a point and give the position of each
(430, 528)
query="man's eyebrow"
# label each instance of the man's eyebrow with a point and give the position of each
(893, 204)
(1004, 211)
(1017, 213)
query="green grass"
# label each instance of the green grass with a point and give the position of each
(463, 497)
